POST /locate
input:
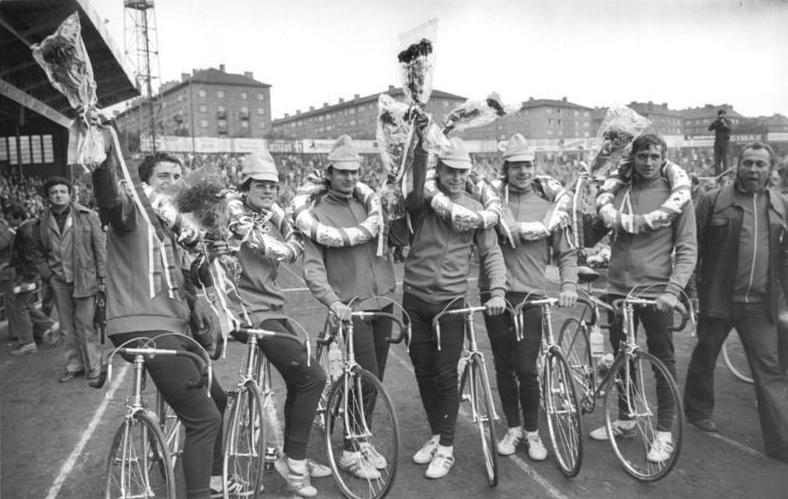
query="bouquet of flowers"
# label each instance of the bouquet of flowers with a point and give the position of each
(393, 132)
(475, 113)
(416, 60)
(65, 61)
(618, 130)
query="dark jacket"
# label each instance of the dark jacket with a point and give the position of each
(21, 255)
(722, 129)
(719, 218)
(89, 251)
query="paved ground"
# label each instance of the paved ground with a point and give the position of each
(54, 438)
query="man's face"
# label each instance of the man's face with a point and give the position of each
(452, 179)
(262, 194)
(59, 196)
(754, 169)
(164, 175)
(520, 174)
(647, 162)
(343, 181)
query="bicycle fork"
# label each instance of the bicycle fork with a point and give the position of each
(362, 432)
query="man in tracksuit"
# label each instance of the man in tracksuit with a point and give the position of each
(436, 273)
(743, 265)
(659, 262)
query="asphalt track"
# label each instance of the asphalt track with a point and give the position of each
(54, 437)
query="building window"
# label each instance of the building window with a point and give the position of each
(549, 132)
(549, 111)
(202, 93)
(549, 121)
(260, 96)
(220, 94)
(560, 122)
(244, 95)
(244, 123)
(586, 114)
(245, 112)
(203, 108)
(261, 124)
(577, 113)
(203, 123)
(260, 111)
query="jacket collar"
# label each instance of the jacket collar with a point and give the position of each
(727, 198)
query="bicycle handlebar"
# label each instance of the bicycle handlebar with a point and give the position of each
(436, 326)
(404, 329)
(106, 364)
(650, 302)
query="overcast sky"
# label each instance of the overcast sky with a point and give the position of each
(594, 52)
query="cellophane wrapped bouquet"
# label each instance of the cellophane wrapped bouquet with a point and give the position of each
(619, 128)
(64, 59)
(476, 113)
(416, 60)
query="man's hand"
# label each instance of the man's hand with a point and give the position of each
(666, 302)
(567, 298)
(495, 305)
(341, 311)
(204, 324)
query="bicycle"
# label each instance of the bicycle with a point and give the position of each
(635, 394)
(348, 398)
(246, 436)
(140, 462)
(735, 358)
(475, 388)
(559, 398)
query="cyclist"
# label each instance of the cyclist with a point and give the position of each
(337, 274)
(145, 304)
(743, 253)
(263, 301)
(436, 272)
(662, 258)
(526, 200)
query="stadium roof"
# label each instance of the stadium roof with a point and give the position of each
(393, 91)
(23, 82)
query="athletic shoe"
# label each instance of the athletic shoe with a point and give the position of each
(298, 482)
(25, 349)
(374, 457)
(439, 466)
(317, 470)
(508, 443)
(357, 465)
(536, 449)
(427, 451)
(622, 429)
(53, 334)
(235, 487)
(661, 448)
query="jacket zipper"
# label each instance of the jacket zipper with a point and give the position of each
(754, 246)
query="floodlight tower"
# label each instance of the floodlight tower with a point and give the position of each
(142, 49)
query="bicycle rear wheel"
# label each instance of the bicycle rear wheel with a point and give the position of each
(139, 461)
(475, 389)
(563, 414)
(576, 348)
(735, 358)
(361, 416)
(244, 443)
(636, 399)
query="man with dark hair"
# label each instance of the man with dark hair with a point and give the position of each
(659, 261)
(145, 300)
(722, 138)
(25, 321)
(743, 266)
(70, 254)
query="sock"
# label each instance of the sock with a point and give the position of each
(297, 465)
(216, 482)
(446, 450)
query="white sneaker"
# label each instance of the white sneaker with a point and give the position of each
(317, 470)
(621, 429)
(356, 464)
(427, 451)
(439, 466)
(661, 447)
(508, 443)
(536, 449)
(374, 457)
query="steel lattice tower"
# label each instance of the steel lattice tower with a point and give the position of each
(142, 49)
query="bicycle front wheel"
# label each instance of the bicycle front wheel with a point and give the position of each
(475, 389)
(362, 435)
(735, 358)
(244, 443)
(647, 438)
(562, 414)
(139, 461)
(576, 348)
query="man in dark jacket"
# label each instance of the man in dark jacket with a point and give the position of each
(722, 138)
(743, 261)
(70, 254)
